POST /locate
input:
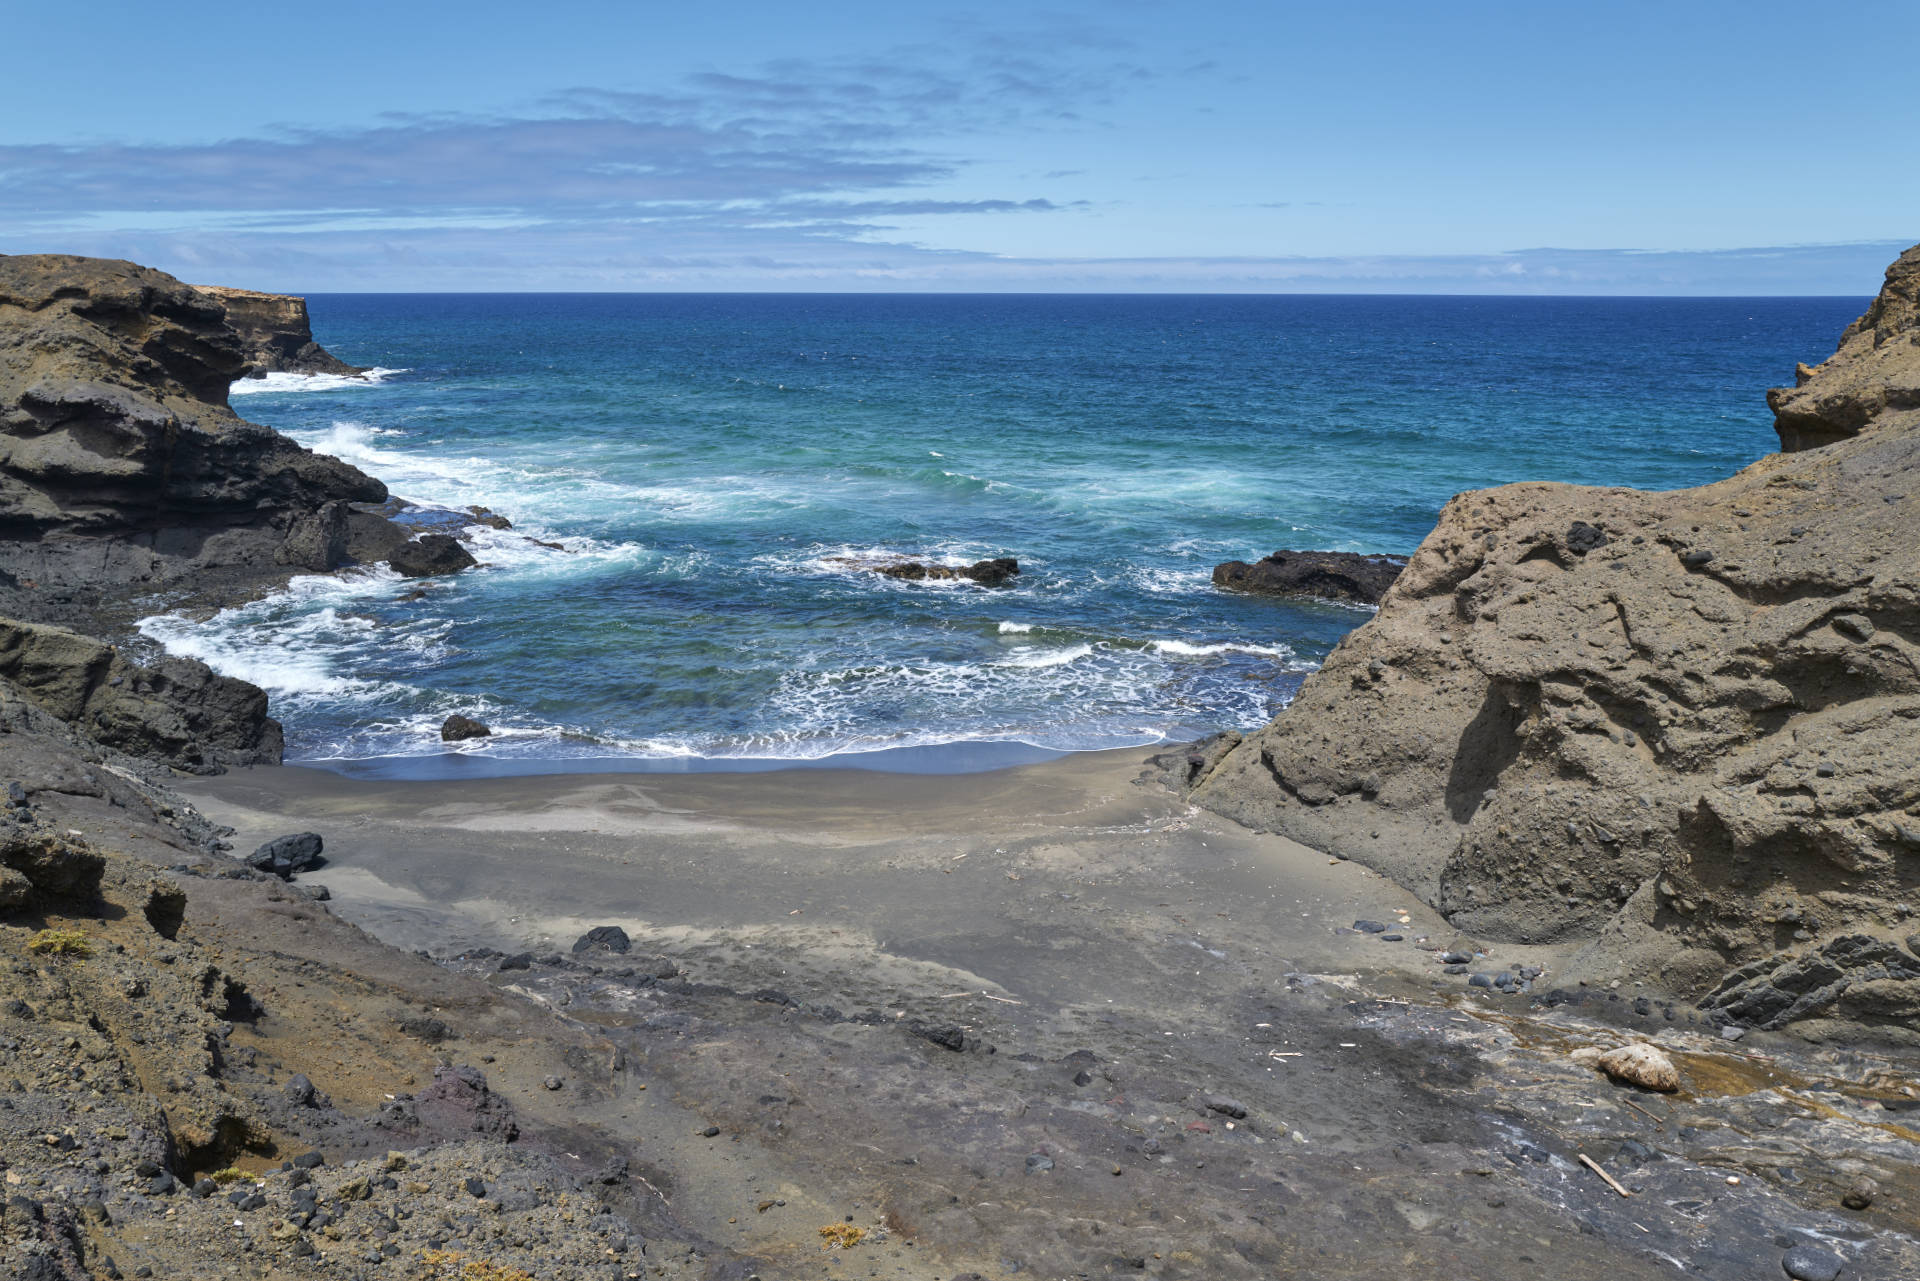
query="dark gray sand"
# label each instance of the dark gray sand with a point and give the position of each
(1053, 1022)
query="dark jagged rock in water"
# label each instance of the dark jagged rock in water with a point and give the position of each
(429, 555)
(276, 332)
(286, 856)
(457, 728)
(604, 938)
(488, 517)
(123, 469)
(1325, 575)
(1676, 726)
(176, 712)
(988, 573)
(1871, 383)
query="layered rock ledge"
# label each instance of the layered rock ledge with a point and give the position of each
(122, 468)
(1681, 726)
(277, 333)
(1343, 576)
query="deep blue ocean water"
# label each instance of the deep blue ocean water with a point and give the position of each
(714, 467)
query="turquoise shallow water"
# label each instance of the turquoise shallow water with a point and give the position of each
(709, 464)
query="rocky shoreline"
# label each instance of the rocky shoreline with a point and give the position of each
(1050, 1022)
(1677, 729)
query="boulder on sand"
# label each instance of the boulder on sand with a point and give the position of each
(285, 855)
(603, 938)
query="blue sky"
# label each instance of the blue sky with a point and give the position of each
(1401, 147)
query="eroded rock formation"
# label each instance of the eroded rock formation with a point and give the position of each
(276, 332)
(177, 712)
(1684, 727)
(121, 464)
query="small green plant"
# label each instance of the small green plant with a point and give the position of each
(229, 1175)
(841, 1236)
(60, 943)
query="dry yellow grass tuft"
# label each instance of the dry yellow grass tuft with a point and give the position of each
(60, 943)
(841, 1236)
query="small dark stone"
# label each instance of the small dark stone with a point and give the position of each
(1479, 980)
(1809, 1263)
(1454, 969)
(309, 1161)
(947, 1038)
(1696, 559)
(432, 1031)
(711, 1132)
(476, 1186)
(1039, 1162)
(1456, 958)
(146, 1167)
(518, 961)
(1083, 1078)
(298, 1090)
(604, 938)
(1392, 938)
(1583, 538)
(1225, 1106)
(1370, 927)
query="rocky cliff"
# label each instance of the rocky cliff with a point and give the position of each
(122, 468)
(276, 332)
(1682, 727)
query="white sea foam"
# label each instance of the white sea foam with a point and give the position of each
(1186, 649)
(1028, 657)
(1015, 629)
(278, 382)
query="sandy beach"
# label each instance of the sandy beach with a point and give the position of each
(1054, 1020)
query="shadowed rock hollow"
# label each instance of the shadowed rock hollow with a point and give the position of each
(1683, 726)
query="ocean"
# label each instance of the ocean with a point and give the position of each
(694, 481)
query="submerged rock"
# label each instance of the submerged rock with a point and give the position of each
(1345, 576)
(457, 728)
(988, 573)
(429, 555)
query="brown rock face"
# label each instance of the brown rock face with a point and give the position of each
(1872, 381)
(1682, 726)
(276, 332)
(121, 463)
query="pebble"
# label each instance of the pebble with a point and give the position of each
(1039, 1162)
(552, 1083)
(1809, 1263)
(1370, 927)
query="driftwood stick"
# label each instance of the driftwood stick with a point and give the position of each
(1593, 1165)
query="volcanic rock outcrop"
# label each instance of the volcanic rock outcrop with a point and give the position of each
(1345, 576)
(122, 468)
(1683, 727)
(176, 712)
(276, 332)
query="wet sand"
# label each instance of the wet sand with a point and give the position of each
(1053, 1021)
